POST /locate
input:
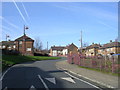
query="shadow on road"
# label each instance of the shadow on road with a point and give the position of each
(25, 77)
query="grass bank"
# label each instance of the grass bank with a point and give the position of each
(102, 71)
(9, 60)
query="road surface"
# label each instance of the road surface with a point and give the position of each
(42, 74)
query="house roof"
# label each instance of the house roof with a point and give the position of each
(71, 46)
(58, 48)
(93, 46)
(111, 44)
(24, 37)
(8, 43)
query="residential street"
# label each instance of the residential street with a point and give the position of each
(41, 74)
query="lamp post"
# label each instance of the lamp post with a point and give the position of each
(7, 36)
(25, 28)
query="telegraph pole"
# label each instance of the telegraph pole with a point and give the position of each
(81, 40)
(47, 46)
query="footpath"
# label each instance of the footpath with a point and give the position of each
(106, 80)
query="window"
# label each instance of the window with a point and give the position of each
(111, 49)
(20, 42)
(3, 46)
(14, 46)
(108, 49)
(28, 49)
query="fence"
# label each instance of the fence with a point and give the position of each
(107, 64)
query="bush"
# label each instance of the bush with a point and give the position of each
(39, 54)
(10, 52)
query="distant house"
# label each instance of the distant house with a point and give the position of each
(109, 48)
(92, 50)
(63, 50)
(72, 49)
(24, 45)
(56, 50)
(8, 45)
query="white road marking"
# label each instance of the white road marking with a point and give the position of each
(80, 79)
(52, 80)
(83, 81)
(32, 88)
(5, 73)
(43, 82)
(68, 79)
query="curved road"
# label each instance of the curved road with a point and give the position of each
(41, 74)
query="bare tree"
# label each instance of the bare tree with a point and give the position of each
(38, 44)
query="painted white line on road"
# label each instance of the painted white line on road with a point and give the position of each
(52, 80)
(32, 88)
(5, 73)
(80, 79)
(83, 80)
(43, 82)
(68, 79)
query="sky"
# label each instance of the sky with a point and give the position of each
(60, 23)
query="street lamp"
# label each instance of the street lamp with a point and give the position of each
(25, 28)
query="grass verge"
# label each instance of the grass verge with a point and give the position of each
(102, 71)
(9, 60)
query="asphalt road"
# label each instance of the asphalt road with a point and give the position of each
(41, 74)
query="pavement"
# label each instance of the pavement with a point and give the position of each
(106, 80)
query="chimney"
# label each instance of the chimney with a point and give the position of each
(110, 40)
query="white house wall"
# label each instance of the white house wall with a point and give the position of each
(65, 51)
(54, 53)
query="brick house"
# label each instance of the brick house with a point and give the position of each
(63, 50)
(8, 45)
(92, 50)
(24, 45)
(110, 48)
(72, 49)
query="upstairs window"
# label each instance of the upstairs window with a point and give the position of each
(20, 42)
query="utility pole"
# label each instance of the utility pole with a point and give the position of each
(81, 40)
(47, 46)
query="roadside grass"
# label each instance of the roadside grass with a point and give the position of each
(102, 71)
(9, 60)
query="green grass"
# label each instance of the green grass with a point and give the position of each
(9, 60)
(102, 71)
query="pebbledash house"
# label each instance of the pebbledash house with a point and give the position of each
(23, 44)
